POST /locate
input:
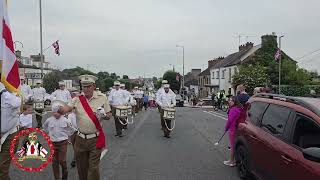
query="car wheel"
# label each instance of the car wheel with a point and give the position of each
(242, 159)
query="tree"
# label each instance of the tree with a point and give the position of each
(113, 76)
(51, 80)
(108, 83)
(170, 76)
(251, 76)
(125, 77)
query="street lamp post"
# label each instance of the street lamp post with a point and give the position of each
(182, 64)
(280, 64)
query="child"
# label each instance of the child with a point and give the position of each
(231, 126)
(59, 131)
(26, 117)
(73, 120)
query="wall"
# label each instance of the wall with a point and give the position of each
(223, 84)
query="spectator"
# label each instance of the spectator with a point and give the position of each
(231, 126)
(243, 96)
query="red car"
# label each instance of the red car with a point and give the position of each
(280, 139)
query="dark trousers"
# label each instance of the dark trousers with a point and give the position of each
(73, 141)
(59, 159)
(163, 125)
(39, 118)
(5, 159)
(87, 158)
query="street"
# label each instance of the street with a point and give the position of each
(144, 154)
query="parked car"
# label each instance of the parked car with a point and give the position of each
(179, 100)
(280, 138)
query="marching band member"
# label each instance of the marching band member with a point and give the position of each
(166, 100)
(140, 96)
(10, 108)
(25, 89)
(136, 97)
(59, 131)
(38, 94)
(61, 94)
(90, 139)
(118, 97)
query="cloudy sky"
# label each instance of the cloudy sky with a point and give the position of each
(139, 37)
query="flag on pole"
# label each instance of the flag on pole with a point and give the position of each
(9, 69)
(277, 55)
(56, 47)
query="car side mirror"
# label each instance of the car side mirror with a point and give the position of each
(312, 154)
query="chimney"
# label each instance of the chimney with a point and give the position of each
(246, 46)
(214, 61)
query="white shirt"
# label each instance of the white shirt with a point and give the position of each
(62, 95)
(136, 94)
(39, 93)
(26, 91)
(140, 94)
(58, 129)
(26, 120)
(161, 90)
(152, 96)
(166, 100)
(72, 117)
(127, 95)
(10, 109)
(118, 97)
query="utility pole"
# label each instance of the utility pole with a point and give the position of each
(182, 65)
(280, 64)
(41, 51)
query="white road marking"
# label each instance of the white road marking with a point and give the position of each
(103, 153)
(219, 116)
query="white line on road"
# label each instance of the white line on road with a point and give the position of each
(219, 116)
(103, 153)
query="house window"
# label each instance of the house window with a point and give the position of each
(229, 74)
(212, 75)
(223, 73)
(218, 74)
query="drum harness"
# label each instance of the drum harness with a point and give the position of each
(174, 121)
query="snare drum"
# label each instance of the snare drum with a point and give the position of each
(129, 110)
(122, 111)
(38, 105)
(169, 113)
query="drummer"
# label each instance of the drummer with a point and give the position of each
(61, 94)
(118, 97)
(128, 98)
(38, 95)
(166, 100)
(136, 97)
(25, 90)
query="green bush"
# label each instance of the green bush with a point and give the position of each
(297, 90)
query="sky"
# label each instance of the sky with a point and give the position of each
(139, 37)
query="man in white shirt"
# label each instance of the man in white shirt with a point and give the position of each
(166, 100)
(38, 94)
(61, 94)
(136, 94)
(10, 108)
(25, 89)
(118, 97)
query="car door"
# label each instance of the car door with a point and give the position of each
(305, 133)
(255, 113)
(271, 141)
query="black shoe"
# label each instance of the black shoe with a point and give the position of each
(125, 127)
(116, 135)
(73, 164)
(120, 135)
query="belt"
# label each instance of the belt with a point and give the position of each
(88, 136)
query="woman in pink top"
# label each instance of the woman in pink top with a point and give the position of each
(231, 126)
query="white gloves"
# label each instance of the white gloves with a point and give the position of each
(101, 112)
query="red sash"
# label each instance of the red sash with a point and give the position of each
(101, 140)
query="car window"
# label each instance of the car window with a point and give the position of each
(306, 132)
(275, 119)
(256, 110)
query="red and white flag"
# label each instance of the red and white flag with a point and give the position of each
(56, 47)
(277, 55)
(10, 69)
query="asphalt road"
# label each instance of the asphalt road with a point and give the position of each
(144, 154)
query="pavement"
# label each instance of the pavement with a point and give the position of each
(144, 154)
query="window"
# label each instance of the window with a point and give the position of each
(306, 132)
(218, 74)
(223, 73)
(256, 111)
(275, 119)
(213, 75)
(229, 74)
